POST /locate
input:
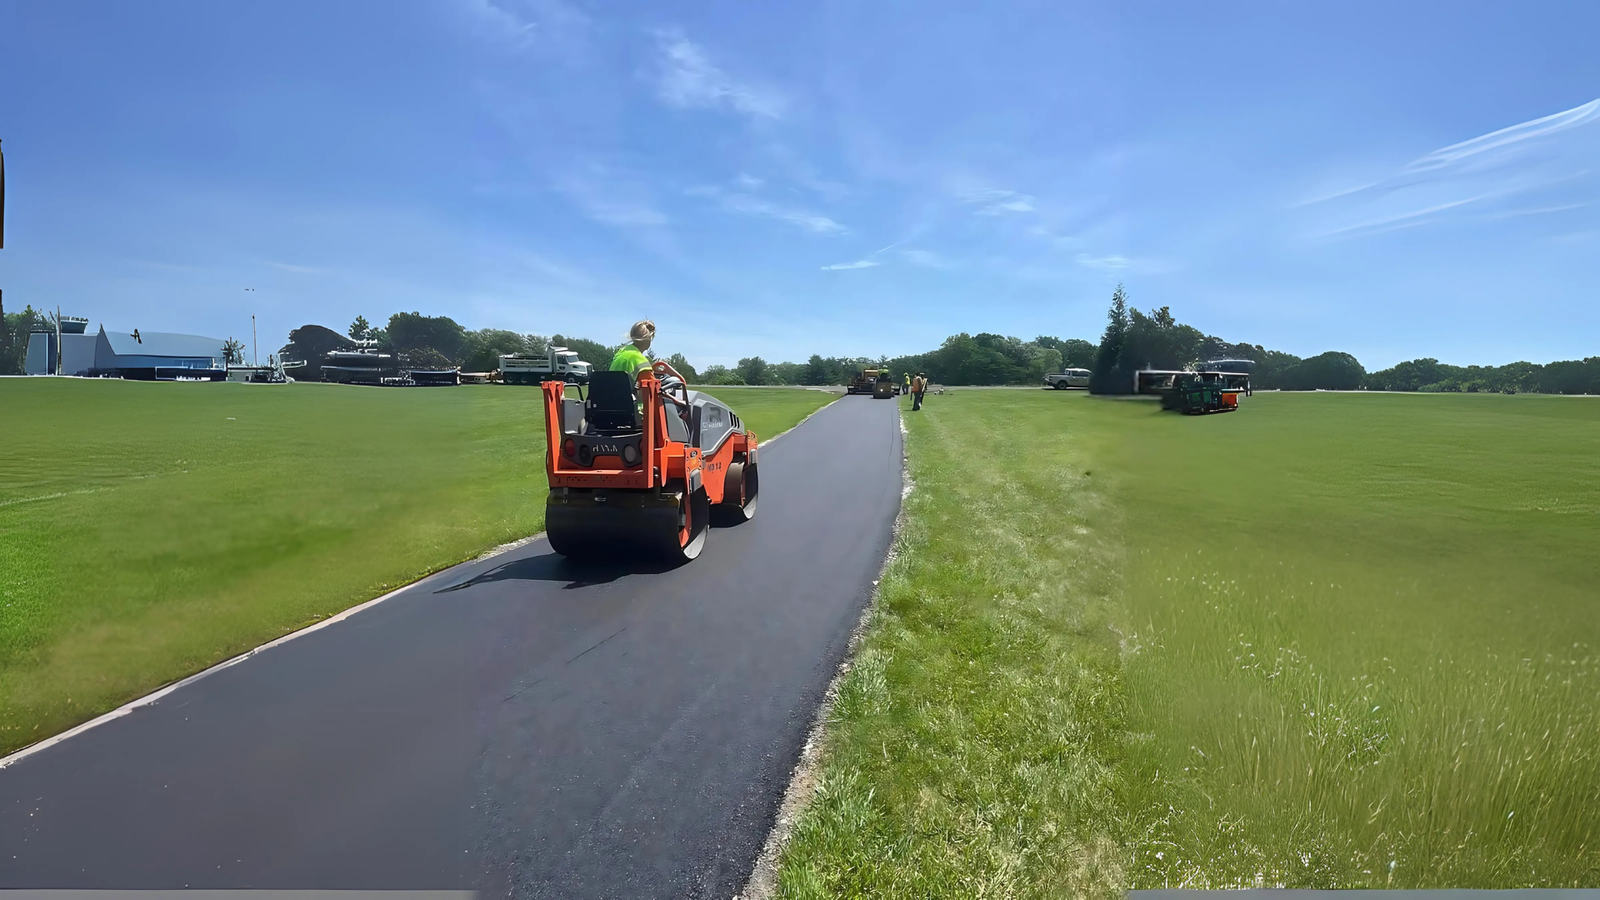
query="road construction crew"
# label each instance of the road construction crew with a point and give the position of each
(919, 386)
(907, 377)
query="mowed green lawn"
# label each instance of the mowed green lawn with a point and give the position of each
(770, 411)
(1326, 641)
(150, 530)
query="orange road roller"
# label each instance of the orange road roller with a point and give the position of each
(643, 469)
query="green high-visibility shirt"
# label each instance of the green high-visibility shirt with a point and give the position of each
(630, 359)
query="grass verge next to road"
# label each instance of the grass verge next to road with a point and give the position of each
(972, 744)
(1325, 641)
(150, 530)
(770, 411)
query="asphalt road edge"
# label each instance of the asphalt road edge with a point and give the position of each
(157, 694)
(340, 616)
(763, 882)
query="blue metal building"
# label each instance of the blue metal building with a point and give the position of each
(148, 357)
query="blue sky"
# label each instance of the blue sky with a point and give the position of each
(1392, 179)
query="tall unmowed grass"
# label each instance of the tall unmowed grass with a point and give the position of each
(1362, 644)
(1325, 641)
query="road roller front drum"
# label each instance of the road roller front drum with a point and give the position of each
(741, 488)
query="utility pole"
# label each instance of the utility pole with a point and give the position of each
(58, 340)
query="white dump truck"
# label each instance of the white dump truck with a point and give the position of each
(559, 363)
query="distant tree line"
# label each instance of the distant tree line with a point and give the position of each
(981, 359)
(1133, 340)
(1430, 375)
(1154, 340)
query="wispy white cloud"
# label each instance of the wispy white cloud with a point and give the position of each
(688, 79)
(168, 267)
(1541, 166)
(866, 262)
(1466, 151)
(1541, 210)
(528, 24)
(625, 213)
(748, 182)
(1057, 240)
(999, 203)
(298, 270)
(925, 258)
(793, 168)
(1111, 263)
(1402, 220)
(612, 198)
(750, 205)
(1578, 237)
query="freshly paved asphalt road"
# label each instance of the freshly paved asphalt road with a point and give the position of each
(522, 726)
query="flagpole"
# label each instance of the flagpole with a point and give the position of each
(5, 345)
(255, 357)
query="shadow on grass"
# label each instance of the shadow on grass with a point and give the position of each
(555, 567)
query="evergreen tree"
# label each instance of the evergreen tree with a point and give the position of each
(1108, 363)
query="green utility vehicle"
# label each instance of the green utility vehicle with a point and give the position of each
(1197, 393)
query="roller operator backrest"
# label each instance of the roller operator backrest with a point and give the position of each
(612, 405)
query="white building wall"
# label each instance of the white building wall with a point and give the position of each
(41, 354)
(77, 354)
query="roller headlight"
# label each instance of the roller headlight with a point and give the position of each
(630, 454)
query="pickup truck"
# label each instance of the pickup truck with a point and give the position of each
(1068, 378)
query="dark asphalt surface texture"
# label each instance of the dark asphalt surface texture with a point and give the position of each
(522, 726)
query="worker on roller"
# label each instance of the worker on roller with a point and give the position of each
(631, 358)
